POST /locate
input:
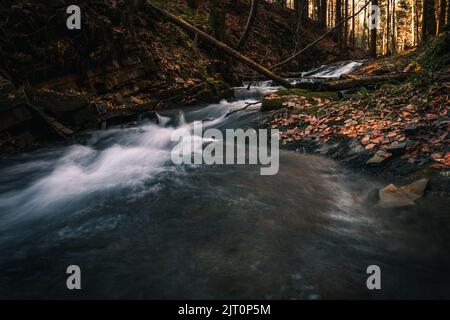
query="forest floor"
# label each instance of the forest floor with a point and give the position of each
(396, 130)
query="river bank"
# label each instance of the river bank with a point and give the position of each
(395, 129)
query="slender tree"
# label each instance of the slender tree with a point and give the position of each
(394, 25)
(193, 4)
(429, 19)
(373, 34)
(388, 26)
(301, 11)
(442, 13)
(250, 21)
(448, 12)
(323, 13)
(338, 21)
(346, 22)
(353, 23)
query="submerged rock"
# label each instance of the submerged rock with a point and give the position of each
(393, 197)
(416, 190)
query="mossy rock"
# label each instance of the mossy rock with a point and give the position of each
(286, 94)
(273, 104)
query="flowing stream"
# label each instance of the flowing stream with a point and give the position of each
(141, 227)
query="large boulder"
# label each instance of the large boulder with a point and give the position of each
(59, 103)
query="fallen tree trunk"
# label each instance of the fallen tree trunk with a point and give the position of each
(220, 45)
(356, 82)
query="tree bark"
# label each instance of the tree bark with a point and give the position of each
(448, 12)
(250, 21)
(346, 23)
(219, 45)
(442, 13)
(429, 19)
(353, 23)
(373, 36)
(338, 22)
(388, 23)
(323, 13)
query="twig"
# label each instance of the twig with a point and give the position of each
(242, 109)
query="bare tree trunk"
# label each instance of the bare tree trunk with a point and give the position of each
(219, 45)
(323, 13)
(442, 13)
(448, 12)
(393, 41)
(353, 23)
(388, 23)
(193, 4)
(429, 19)
(250, 21)
(413, 21)
(373, 36)
(417, 20)
(346, 23)
(338, 23)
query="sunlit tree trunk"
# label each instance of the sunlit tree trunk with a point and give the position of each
(353, 23)
(388, 23)
(346, 22)
(393, 32)
(373, 36)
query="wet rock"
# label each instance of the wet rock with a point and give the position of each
(397, 148)
(416, 190)
(379, 158)
(411, 130)
(393, 197)
(373, 197)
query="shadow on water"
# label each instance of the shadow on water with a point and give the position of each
(140, 227)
